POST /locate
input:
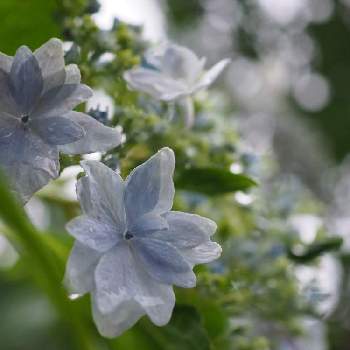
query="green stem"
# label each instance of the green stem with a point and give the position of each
(46, 268)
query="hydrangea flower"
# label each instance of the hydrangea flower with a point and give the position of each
(130, 247)
(174, 73)
(37, 95)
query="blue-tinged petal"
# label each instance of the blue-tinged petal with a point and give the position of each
(97, 138)
(57, 130)
(186, 230)
(61, 99)
(150, 187)
(211, 75)
(163, 262)
(101, 195)
(26, 81)
(73, 75)
(50, 57)
(180, 63)
(148, 223)
(7, 102)
(156, 84)
(5, 62)
(25, 180)
(28, 162)
(203, 253)
(8, 126)
(118, 320)
(79, 276)
(121, 281)
(92, 233)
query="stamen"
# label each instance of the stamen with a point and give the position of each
(128, 235)
(25, 118)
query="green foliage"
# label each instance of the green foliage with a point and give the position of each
(212, 181)
(23, 22)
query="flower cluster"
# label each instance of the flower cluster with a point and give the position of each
(130, 247)
(174, 73)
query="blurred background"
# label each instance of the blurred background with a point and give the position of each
(280, 113)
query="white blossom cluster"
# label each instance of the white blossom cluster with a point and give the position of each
(130, 247)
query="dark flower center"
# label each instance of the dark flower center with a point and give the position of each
(128, 235)
(25, 118)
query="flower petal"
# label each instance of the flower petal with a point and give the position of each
(61, 99)
(5, 62)
(186, 230)
(25, 180)
(50, 57)
(7, 102)
(155, 84)
(93, 233)
(8, 125)
(203, 253)
(98, 138)
(101, 194)
(150, 187)
(163, 262)
(120, 281)
(26, 82)
(211, 75)
(73, 75)
(181, 63)
(147, 224)
(28, 162)
(114, 323)
(57, 130)
(79, 276)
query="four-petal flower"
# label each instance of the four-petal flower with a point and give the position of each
(174, 73)
(37, 95)
(130, 247)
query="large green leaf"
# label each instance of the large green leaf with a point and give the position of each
(185, 331)
(26, 22)
(212, 181)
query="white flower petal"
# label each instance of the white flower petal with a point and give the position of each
(50, 57)
(61, 99)
(120, 319)
(150, 187)
(98, 138)
(26, 82)
(101, 194)
(186, 230)
(5, 63)
(211, 75)
(163, 262)
(155, 84)
(7, 102)
(180, 63)
(93, 233)
(73, 75)
(79, 276)
(204, 253)
(121, 281)
(57, 130)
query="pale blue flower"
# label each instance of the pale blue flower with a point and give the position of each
(37, 95)
(174, 73)
(130, 247)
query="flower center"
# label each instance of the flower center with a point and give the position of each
(128, 235)
(25, 118)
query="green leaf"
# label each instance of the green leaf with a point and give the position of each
(212, 181)
(185, 331)
(315, 250)
(27, 22)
